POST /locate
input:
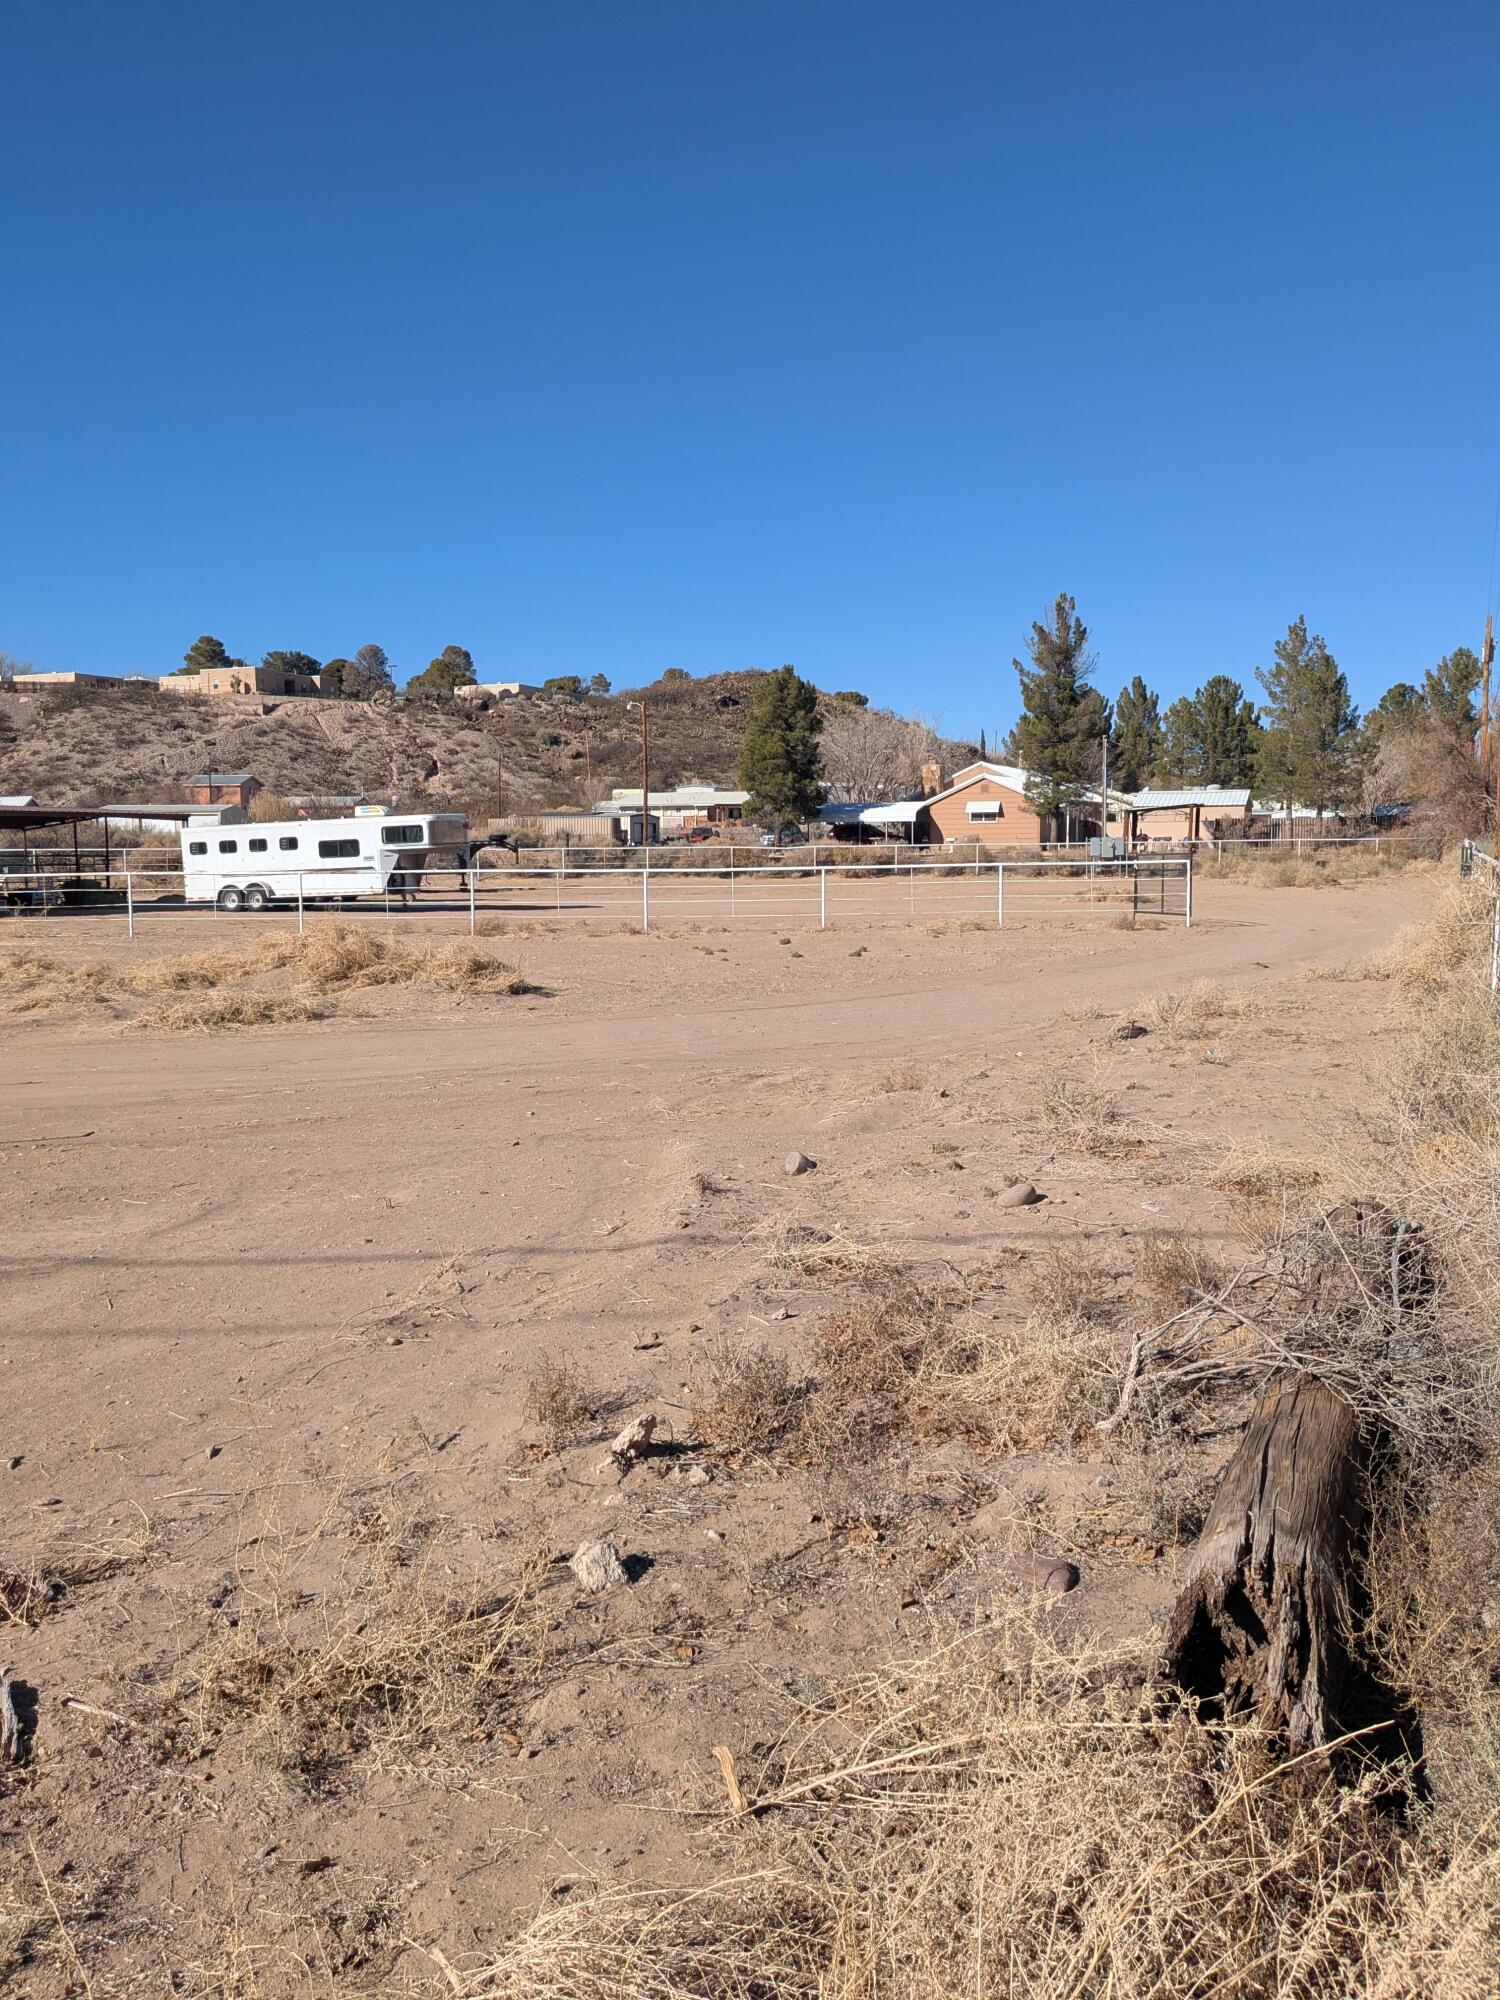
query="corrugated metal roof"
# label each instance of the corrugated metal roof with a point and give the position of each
(1190, 795)
(220, 777)
(670, 797)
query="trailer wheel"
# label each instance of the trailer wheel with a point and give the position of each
(257, 898)
(231, 899)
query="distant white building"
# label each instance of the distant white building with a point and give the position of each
(496, 688)
(676, 808)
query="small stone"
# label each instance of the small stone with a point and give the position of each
(393, 1340)
(16, 1463)
(597, 1566)
(1130, 1031)
(715, 1534)
(1050, 1573)
(799, 1163)
(781, 1312)
(1021, 1195)
(213, 1451)
(698, 1475)
(634, 1441)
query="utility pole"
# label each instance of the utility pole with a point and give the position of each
(645, 781)
(1486, 736)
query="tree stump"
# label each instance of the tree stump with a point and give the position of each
(1259, 1623)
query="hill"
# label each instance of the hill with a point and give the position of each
(76, 746)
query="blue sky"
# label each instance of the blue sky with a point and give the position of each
(606, 338)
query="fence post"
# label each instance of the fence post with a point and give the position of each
(822, 899)
(646, 901)
(129, 905)
(999, 895)
(1189, 865)
(471, 902)
(299, 902)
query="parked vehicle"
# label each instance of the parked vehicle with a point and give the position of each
(254, 865)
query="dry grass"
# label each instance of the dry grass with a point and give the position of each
(1006, 1816)
(211, 1013)
(1081, 1114)
(816, 1256)
(563, 1406)
(351, 1643)
(749, 1401)
(1451, 945)
(1175, 1270)
(1201, 1006)
(39, 983)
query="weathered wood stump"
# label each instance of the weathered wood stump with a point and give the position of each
(1259, 1626)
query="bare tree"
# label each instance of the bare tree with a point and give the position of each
(870, 754)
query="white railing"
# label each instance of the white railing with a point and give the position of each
(992, 892)
(1471, 858)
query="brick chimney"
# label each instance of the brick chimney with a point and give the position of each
(932, 778)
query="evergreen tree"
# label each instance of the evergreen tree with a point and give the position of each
(204, 652)
(1448, 692)
(1136, 741)
(453, 668)
(1062, 717)
(1307, 755)
(331, 675)
(983, 753)
(781, 766)
(599, 684)
(1227, 731)
(1178, 758)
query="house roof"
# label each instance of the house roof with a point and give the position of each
(220, 777)
(671, 797)
(856, 812)
(1153, 800)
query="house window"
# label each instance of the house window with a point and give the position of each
(402, 836)
(984, 809)
(197, 847)
(287, 840)
(229, 847)
(339, 850)
(257, 847)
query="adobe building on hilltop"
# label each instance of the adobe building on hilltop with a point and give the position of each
(241, 679)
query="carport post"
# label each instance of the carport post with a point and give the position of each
(299, 903)
(999, 895)
(129, 905)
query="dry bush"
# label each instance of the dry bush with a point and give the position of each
(337, 1651)
(905, 1076)
(1067, 1283)
(1452, 944)
(1175, 1270)
(346, 957)
(1006, 1816)
(818, 1256)
(1082, 1115)
(750, 1401)
(32, 1591)
(1193, 1011)
(211, 1013)
(563, 1405)
(38, 981)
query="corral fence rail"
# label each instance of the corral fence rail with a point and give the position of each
(991, 893)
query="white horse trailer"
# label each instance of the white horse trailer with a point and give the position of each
(252, 866)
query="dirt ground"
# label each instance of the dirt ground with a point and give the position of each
(302, 1327)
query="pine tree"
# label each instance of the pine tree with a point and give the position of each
(1062, 717)
(368, 674)
(1308, 752)
(983, 752)
(453, 668)
(204, 652)
(1180, 755)
(1136, 742)
(1226, 731)
(1448, 692)
(781, 766)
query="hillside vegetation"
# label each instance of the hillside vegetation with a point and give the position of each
(76, 746)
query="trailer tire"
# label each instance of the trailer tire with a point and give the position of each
(257, 898)
(231, 899)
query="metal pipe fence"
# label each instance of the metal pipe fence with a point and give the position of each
(991, 893)
(1474, 857)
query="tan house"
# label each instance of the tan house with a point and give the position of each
(242, 679)
(1189, 813)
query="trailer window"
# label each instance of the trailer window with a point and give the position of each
(287, 840)
(229, 847)
(257, 847)
(402, 836)
(339, 850)
(197, 847)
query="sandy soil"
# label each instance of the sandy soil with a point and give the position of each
(268, 1293)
